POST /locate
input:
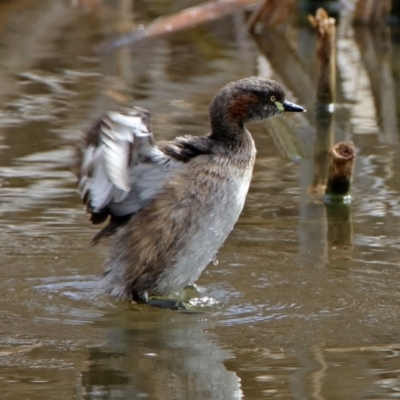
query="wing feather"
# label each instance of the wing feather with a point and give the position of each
(122, 168)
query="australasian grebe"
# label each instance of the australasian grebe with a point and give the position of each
(171, 204)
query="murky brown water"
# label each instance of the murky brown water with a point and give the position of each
(303, 303)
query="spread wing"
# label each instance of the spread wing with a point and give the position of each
(121, 168)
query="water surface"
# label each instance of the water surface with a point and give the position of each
(303, 302)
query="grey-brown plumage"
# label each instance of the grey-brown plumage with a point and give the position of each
(172, 204)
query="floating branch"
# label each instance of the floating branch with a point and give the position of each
(341, 165)
(185, 19)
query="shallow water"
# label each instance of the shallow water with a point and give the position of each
(303, 302)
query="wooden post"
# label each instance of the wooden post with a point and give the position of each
(326, 95)
(341, 166)
(326, 55)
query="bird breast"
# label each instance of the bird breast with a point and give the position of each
(221, 195)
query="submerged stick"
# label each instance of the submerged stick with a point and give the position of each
(341, 165)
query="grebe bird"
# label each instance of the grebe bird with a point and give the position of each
(171, 204)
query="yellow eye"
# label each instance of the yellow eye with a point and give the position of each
(273, 99)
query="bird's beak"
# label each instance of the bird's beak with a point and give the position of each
(288, 106)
